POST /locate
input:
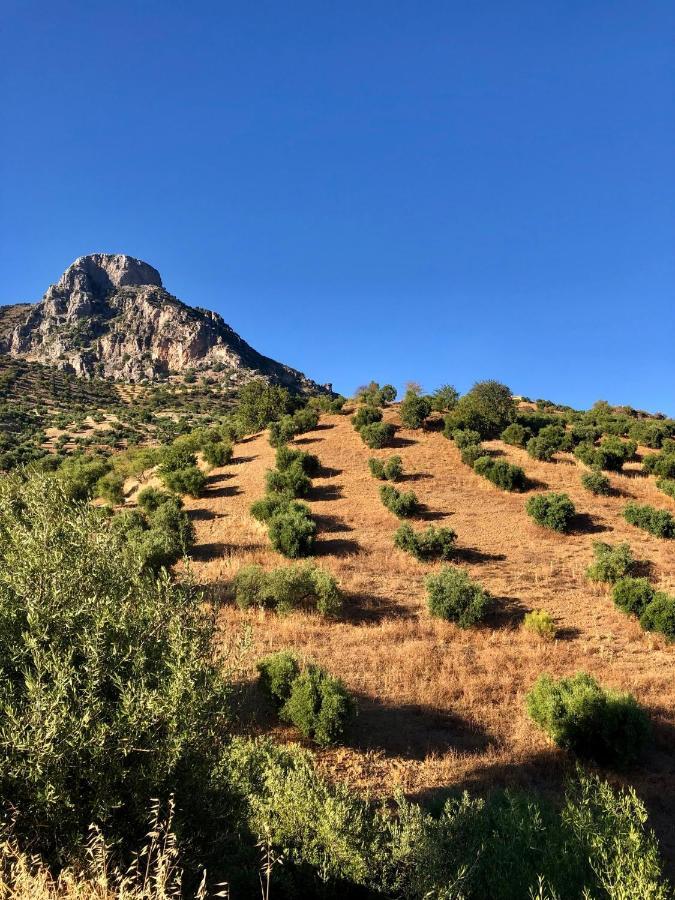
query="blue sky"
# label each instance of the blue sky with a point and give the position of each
(438, 192)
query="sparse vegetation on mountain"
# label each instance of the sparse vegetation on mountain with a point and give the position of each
(541, 623)
(551, 510)
(453, 595)
(431, 543)
(402, 503)
(516, 434)
(658, 522)
(377, 435)
(291, 530)
(366, 415)
(414, 410)
(501, 473)
(596, 483)
(288, 588)
(390, 469)
(487, 408)
(611, 562)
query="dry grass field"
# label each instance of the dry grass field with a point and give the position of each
(438, 706)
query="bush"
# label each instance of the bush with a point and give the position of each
(305, 420)
(150, 499)
(465, 438)
(452, 595)
(217, 453)
(292, 481)
(550, 439)
(658, 522)
(541, 623)
(277, 673)
(516, 435)
(286, 457)
(292, 531)
(386, 469)
(283, 431)
(487, 408)
(470, 454)
(402, 504)
(374, 395)
(505, 475)
(667, 485)
(319, 706)
(261, 403)
(271, 503)
(444, 398)
(366, 415)
(432, 543)
(414, 410)
(659, 615)
(377, 435)
(596, 483)
(611, 563)
(551, 510)
(579, 715)
(610, 454)
(288, 588)
(111, 488)
(661, 464)
(632, 595)
(190, 480)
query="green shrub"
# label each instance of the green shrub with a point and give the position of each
(277, 673)
(377, 435)
(632, 595)
(611, 562)
(610, 454)
(444, 398)
(79, 476)
(596, 483)
(366, 415)
(292, 531)
(667, 485)
(270, 504)
(386, 469)
(659, 615)
(414, 410)
(374, 395)
(319, 706)
(658, 522)
(649, 433)
(177, 456)
(305, 420)
(452, 595)
(579, 715)
(260, 403)
(552, 510)
(432, 543)
(111, 488)
(465, 438)
(286, 457)
(217, 453)
(516, 435)
(661, 464)
(292, 481)
(376, 467)
(402, 504)
(487, 408)
(283, 431)
(288, 588)
(550, 439)
(470, 454)
(190, 480)
(151, 498)
(501, 473)
(541, 623)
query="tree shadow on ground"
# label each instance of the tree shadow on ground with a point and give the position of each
(325, 492)
(430, 515)
(324, 426)
(365, 609)
(238, 460)
(203, 515)
(225, 491)
(416, 476)
(216, 549)
(585, 523)
(534, 484)
(567, 634)
(474, 555)
(412, 731)
(336, 547)
(331, 524)
(307, 440)
(327, 472)
(218, 477)
(398, 442)
(506, 612)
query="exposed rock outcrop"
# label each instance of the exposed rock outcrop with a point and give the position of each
(109, 315)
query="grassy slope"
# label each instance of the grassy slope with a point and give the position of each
(440, 706)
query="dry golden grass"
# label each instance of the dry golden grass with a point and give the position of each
(440, 706)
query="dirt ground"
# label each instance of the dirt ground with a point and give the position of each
(441, 707)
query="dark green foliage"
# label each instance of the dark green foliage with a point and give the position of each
(432, 543)
(596, 483)
(466, 438)
(376, 467)
(611, 562)
(579, 715)
(261, 403)
(217, 453)
(158, 536)
(386, 469)
(516, 435)
(551, 510)
(79, 475)
(374, 395)
(179, 455)
(286, 457)
(267, 506)
(650, 434)
(288, 588)
(661, 464)
(549, 440)
(501, 473)
(414, 410)
(282, 432)
(402, 504)
(366, 415)
(444, 398)
(305, 420)
(452, 595)
(291, 480)
(111, 488)
(632, 595)
(292, 530)
(659, 615)
(584, 434)
(277, 673)
(658, 522)
(487, 408)
(610, 454)
(377, 435)
(319, 706)
(190, 480)
(667, 485)
(151, 498)
(470, 454)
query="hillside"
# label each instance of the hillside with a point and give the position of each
(439, 706)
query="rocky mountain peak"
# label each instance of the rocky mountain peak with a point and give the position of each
(101, 273)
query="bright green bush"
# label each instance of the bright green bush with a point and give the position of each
(366, 415)
(487, 408)
(288, 588)
(661, 464)
(402, 504)
(579, 715)
(632, 595)
(432, 543)
(319, 706)
(501, 473)
(260, 403)
(541, 623)
(470, 454)
(111, 488)
(465, 438)
(414, 410)
(659, 615)
(444, 398)
(217, 453)
(291, 481)
(667, 485)
(286, 457)
(452, 595)
(596, 483)
(305, 419)
(283, 431)
(516, 434)
(611, 562)
(292, 531)
(151, 498)
(386, 469)
(190, 480)
(277, 673)
(658, 522)
(377, 435)
(552, 510)
(79, 475)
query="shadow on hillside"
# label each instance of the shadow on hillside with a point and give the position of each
(224, 491)
(507, 612)
(416, 476)
(203, 515)
(585, 523)
(324, 426)
(644, 568)
(534, 484)
(331, 524)
(431, 515)
(325, 492)
(237, 460)
(474, 555)
(336, 547)
(216, 549)
(307, 440)
(327, 472)
(413, 731)
(397, 442)
(364, 609)
(567, 634)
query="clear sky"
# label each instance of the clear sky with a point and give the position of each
(429, 191)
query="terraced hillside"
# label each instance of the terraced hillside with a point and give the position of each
(440, 706)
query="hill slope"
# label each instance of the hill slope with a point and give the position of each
(440, 706)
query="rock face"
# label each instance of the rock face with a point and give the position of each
(109, 315)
